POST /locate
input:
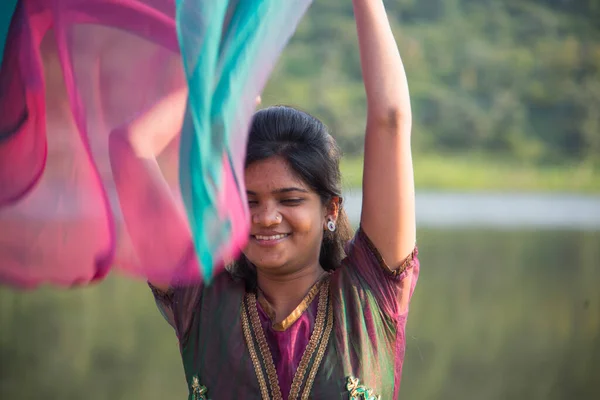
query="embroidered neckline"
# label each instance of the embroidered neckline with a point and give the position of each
(255, 337)
(296, 313)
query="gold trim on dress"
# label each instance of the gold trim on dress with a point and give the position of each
(312, 344)
(320, 353)
(263, 347)
(294, 315)
(404, 265)
(262, 383)
(319, 339)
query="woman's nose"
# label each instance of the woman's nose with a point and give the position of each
(266, 216)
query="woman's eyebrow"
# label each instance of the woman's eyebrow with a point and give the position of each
(281, 190)
(290, 189)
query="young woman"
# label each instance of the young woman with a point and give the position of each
(309, 310)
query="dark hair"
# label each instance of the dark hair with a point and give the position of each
(305, 144)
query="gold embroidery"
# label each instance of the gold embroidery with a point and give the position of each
(320, 353)
(198, 391)
(312, 343)
(263, 347)
(255, 361)
(358, 391)
(407, 263)
(319, 337)
(294, 315)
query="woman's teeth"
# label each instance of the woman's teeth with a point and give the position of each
(274, 237)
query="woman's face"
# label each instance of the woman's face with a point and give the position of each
(287, 218)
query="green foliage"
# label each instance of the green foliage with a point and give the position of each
(518, 79)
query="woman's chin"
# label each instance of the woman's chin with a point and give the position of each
(268, 264)
(265, 259)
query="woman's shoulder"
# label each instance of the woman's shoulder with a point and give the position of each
(365, 278)
(359, 250)
(224, 284)
(362, 252)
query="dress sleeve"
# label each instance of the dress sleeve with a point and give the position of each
(179, 306)
(391, 287)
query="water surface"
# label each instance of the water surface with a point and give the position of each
(502, 311)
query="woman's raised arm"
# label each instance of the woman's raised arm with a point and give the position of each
(388, 212)
(156, 224)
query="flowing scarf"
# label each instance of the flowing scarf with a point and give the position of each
(74, 71)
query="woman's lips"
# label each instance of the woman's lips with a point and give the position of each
(270, 240)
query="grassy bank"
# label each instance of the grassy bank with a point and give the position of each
(477, 173)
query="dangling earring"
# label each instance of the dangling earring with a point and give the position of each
(331, 225)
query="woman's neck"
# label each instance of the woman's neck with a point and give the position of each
(285, 292)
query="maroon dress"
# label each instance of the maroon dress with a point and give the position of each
(345, 340)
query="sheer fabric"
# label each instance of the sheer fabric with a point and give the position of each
(75, 74)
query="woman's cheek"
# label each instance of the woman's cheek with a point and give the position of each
(302, 220)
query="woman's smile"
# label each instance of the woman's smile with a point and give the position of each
(269, 239)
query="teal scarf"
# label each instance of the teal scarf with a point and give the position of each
(229, 49)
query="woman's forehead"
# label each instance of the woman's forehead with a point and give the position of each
(272, 175)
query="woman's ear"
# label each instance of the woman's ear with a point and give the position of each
(333, 209)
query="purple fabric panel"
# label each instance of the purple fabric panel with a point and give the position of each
(287, 347)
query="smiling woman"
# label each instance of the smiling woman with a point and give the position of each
(309, 309)
(322, 313)
(293, 182)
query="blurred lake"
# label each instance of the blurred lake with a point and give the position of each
(507, 307)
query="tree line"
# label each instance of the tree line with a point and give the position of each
(518, 79)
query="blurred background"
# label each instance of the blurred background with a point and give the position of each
(506, 138)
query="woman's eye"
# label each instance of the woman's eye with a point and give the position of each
(291, 202)
(252, 203)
